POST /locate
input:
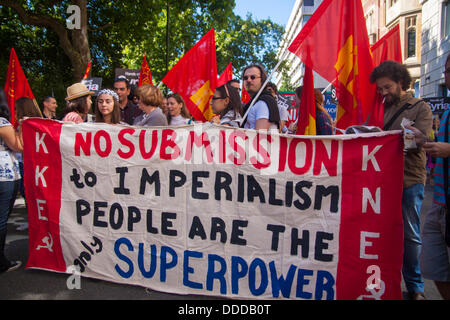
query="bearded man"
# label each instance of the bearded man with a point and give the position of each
(393, 80)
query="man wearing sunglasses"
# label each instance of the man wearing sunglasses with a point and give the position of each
(264, 114)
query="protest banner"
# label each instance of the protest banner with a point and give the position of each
(214, 210)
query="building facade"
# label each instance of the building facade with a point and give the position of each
(381, 16)
(435, 47)
(302, 11)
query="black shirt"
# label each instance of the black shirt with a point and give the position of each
(130, 112)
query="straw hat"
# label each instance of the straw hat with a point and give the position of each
(77, 90)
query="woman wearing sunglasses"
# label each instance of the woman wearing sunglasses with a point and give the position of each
(226, 104)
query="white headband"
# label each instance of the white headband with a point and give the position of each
(110, 92)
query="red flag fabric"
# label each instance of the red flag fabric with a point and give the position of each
(194, 77)
(245, 97)
(226, 75)
(16, 85)
(388, 47)
(342, 57)
(307, 118)
(145, 76)
(88, 70)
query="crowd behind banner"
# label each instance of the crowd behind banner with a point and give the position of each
(266, 110)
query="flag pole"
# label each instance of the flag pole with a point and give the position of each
(263, 86)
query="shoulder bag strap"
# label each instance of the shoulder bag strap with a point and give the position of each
(388, 125)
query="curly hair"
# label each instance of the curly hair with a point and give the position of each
(393, 70)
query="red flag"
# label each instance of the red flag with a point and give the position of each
(245, 97)
(343, 57)
(16, 85)
(145, 76)
(388, 47)
(307, 118)
(194, 77)
(226, 75)
(88, 70)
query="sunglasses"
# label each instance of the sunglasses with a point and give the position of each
(218, 98)
(251, 77)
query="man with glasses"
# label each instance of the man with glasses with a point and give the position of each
(128, 110)
(264, 113)
(393, 80)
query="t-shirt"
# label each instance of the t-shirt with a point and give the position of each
(179, 121)
(259, 110)
(284, 113)
(9, 166)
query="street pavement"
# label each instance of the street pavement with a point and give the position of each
(30, 284)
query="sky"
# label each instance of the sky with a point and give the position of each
(277, 10)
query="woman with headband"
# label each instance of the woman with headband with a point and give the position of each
(107, 108)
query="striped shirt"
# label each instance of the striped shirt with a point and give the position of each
(439, 195)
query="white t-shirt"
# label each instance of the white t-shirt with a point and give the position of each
(284, 113)
(179, 121)
(260, 110)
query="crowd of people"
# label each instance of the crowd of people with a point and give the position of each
(426, 253)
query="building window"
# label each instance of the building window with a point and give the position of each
(309, 3)
(305, 20)
(392, 2)
(446, 18)
(411, 36)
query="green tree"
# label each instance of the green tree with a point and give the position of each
(116, 34)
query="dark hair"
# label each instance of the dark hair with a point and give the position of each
(261, 69)
(4, 108)
(124, 80)
(448, 59)
(273, 86)
(78, 105)
(25, 107)
(115, 117)
(298, 91)
(234, 81)
(393, 70)
(47, 98)
(235, 100)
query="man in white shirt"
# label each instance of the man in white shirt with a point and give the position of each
(264, 113)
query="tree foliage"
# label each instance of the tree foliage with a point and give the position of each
(119, 33)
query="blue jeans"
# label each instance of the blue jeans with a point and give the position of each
(411, 205)
(8, 193)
